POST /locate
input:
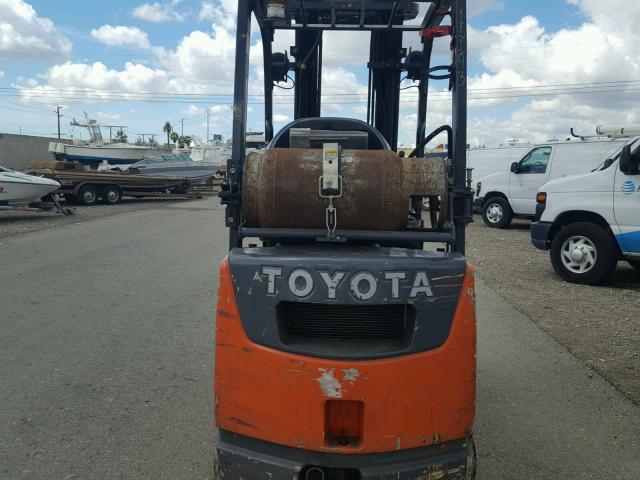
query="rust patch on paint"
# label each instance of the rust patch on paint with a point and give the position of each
(238, 421)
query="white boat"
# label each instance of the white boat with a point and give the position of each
(96, 151)
(177, 165)
(19, 188)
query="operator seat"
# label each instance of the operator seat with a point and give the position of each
(346, 131)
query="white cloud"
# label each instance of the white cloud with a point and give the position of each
(521, 55)
(112, 117)
(120, 35)
(222, 13)
(476, 7)
(193, 111)
(202, 61)
(575, 60)
(25, 35)
(96, 81)
(1, 74)
(158, 12)
(279, 117)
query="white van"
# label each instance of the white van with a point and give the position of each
(487, 161)
(591, 221)
(502, 196)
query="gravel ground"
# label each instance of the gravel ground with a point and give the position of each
(16, 223)
(600, 325)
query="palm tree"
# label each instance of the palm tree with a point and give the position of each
(167, 129)
(174, 137)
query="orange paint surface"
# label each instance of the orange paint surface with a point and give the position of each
(409, 401)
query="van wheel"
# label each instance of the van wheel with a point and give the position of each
(88, 195)
(497, 213)
(584, 253)
(635, 264)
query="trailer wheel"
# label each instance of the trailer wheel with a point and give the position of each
(497, 212)
(88, 195)
(584, 253)
(635, 264)
(111, 194)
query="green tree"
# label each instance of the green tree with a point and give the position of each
(174, 137)
(168, 129)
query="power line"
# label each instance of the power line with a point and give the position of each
(73, 93)
(359, 98)
(24, 111)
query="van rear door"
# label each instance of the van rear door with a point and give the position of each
(533, 172)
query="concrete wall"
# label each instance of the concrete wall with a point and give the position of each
(18, 151)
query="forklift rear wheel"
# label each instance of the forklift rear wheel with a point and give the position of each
(635, 264)
(88, 195)
(584, 253)
(497, 213)
(111, 195)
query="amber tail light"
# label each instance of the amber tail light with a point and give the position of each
(344, 421)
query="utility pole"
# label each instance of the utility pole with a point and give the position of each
(182, 127)
(59, 117)
(110, 127)
(208, 113)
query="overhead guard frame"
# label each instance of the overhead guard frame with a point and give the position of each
(307, 104)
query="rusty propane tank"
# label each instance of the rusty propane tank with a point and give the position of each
(281, 188)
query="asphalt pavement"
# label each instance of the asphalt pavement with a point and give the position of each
(106, 347)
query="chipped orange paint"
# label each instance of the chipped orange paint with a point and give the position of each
(410, 401)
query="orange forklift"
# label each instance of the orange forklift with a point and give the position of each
(346, 329)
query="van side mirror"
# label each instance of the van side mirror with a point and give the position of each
(629, 162)
(515, 167)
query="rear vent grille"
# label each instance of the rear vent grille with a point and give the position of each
(345, 322)
(346, 329)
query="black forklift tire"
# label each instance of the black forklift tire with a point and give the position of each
(584, 253)
(111, 194)
(634, 263)
(87, 195)
(497, 213)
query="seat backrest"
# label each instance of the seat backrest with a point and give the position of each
(341, 126)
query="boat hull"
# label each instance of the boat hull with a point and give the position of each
(94, 155)
(195, 173)
(21, 188)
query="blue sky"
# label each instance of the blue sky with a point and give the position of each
(517, 47)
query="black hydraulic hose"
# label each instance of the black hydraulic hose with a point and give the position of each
(303, 64)
(431, 136)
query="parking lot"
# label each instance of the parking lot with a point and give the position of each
(599, 325)
(107, 344)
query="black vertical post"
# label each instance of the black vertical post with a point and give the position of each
(58, 112)
(267, 51)
(460, 121)
(307, 75)
(423, 94)
(241, 87)
(385, 60)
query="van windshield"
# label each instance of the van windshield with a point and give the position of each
(615, 156)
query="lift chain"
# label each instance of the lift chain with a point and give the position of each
(436, 32)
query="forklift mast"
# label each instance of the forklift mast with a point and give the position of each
(388, 61)
(345, 349)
